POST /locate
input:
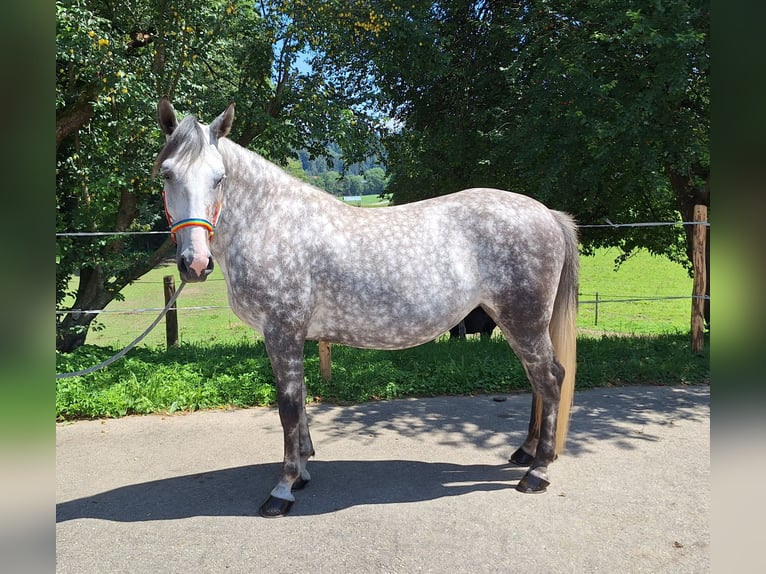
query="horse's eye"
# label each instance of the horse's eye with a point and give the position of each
(219, 181)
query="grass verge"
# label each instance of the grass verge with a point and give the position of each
(220, 375)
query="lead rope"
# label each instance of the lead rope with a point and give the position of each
(135, 342)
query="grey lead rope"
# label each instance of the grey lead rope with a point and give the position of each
(135, 342)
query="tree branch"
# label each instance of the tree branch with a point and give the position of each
(73, 117)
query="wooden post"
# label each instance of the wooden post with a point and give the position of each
(700, 279)
(325, 360)
(171, 318)
(595, 320)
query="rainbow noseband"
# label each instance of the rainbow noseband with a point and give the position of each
(193, 222)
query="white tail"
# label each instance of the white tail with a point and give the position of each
(563, 327)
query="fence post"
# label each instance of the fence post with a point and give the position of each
(325, 360)
(595, 321)
(700, 279)
(171, 318)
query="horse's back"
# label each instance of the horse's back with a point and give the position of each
(476, 213)
(402, 275)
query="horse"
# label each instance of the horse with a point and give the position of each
(300, 265)
(477, 321)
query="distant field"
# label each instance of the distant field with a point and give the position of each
(371, 201)
(642, 276)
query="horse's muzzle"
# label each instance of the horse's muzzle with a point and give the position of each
(194, 268)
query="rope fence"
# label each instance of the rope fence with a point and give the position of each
(138, 311)
(608, 224)
(597, 301)
(701, 224)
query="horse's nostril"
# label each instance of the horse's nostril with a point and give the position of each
(185, 263)
(191, 268)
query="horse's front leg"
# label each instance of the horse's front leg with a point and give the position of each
(286, 355)
(306, 448)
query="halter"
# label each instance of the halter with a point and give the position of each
(191, 221)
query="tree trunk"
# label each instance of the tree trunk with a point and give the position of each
(71, 119)
(95, 292)
(91, 295)
(689, 193)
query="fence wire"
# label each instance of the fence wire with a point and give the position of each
(138, 311)
(608, 224)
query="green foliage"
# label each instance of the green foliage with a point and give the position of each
(195, 377)
(596, 108)
(331, 173)
(113, 62)
(186, 379)
(376, 181)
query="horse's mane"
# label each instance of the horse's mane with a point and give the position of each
(187, 141)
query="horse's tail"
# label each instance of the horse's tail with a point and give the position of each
(563, 327)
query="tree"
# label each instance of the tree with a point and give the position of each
(353, 184)
(114, 60)
(598, 108)
(331, 182)
(375, 181)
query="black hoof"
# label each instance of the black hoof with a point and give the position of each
(300, 484)
(521, 457)
(531, 484)
(275, 507)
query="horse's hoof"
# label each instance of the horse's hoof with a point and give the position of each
(275, 507)
(521, 457)
(531, 484)
(300, 484)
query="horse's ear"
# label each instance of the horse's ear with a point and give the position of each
(166, 116)
(221, 125)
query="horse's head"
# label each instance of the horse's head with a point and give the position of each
(193, 172)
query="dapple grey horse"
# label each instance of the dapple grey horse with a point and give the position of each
(299, 264)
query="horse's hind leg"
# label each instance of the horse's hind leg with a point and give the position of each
(525, 454)
(545, 374)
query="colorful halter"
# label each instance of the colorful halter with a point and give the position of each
(191, 221)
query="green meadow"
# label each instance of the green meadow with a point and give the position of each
(220, 362)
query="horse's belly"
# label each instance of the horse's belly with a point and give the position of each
(373, 327)
(371, 339)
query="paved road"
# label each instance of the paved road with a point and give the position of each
(417, 485)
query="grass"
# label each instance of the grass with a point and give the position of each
(221, 362)
(216, 325)
(196, 376)
(641, 276)
(372, 201)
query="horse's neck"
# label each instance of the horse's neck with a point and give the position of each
(263, 180)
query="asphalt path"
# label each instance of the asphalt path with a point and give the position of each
(413, 485)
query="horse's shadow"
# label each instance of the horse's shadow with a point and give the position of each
(340, 484)
(601, 416)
